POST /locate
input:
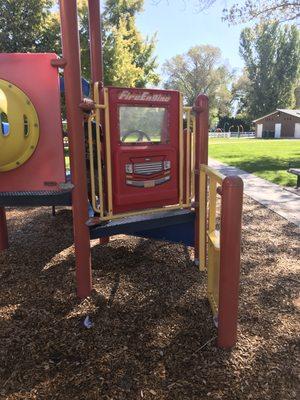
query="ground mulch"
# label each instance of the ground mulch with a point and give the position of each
(153, 335)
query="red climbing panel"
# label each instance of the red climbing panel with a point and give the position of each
(34, 75)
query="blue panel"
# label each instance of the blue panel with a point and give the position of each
(146, 223)
(85, 86)
(182, 233)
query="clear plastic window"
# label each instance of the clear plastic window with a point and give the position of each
(143, 125)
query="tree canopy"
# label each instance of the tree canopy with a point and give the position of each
(248, 10)
(128, 57)
(116, 8)
(239, 91)
(201, 70)
(275, 10)
(272, 57)
(28, 26)
(33, 26)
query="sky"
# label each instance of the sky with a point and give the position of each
(179, 26)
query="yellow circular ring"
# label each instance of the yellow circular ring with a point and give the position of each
(19, 143)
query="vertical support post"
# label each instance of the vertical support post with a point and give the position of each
(201, 225)
(95, 42)
(96, 53)
(187, 166)
(230, 243)
(72, 74)
(181, 151)
(201, 109)
(3, 230)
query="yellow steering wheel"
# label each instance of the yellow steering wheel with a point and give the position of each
(19, 127)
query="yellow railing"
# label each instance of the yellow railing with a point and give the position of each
(97, 178)
(209, 235)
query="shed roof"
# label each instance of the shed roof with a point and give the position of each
(294, 113)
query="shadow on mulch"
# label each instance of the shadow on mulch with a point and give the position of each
(153, 335)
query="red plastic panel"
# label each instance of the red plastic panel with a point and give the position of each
(35, 76)
(138, 190)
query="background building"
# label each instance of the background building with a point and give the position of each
(280, 123)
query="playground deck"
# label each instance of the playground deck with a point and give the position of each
(153, 336)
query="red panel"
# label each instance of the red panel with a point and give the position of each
(35, 76)
(129, 198)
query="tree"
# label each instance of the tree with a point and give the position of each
(239, 92)
(248, 10)
(128, 57)
(114, 9)
(201, 70)
(32, 26)
(235, 124)
(119, 61)
(275, 10)
(272, 57)
(28, 26)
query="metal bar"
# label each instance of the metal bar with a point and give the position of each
(230, 242)
(73, 94)
(3, 230)
(202, 126)
(99, 150)
(213, 270)
(202, 224)
(193, 157)
(95, 41)
(212, 205)
(181, 150)
(188, 159)
(97, 74)
(201, 157)
(108, 154)
(100, 106)
(92, 169)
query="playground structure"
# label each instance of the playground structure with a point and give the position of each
(147, 171)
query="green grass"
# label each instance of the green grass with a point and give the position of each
(268, 159)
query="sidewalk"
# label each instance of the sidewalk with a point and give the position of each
(284, 202)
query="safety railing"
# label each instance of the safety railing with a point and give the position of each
(219, 247)
(103, 204)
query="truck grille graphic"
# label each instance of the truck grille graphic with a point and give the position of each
(148, 168)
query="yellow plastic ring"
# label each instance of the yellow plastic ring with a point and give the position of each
(19, 127)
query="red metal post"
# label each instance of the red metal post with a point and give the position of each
(3, 230)
(73, 94)
(95, 41)
(230, 243)
(201, 109)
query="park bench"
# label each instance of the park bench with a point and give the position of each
(295, 171)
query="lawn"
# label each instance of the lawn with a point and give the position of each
(268, 159)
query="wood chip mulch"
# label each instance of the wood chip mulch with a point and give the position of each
(153, 335)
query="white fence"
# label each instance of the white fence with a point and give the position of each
(232, 134)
